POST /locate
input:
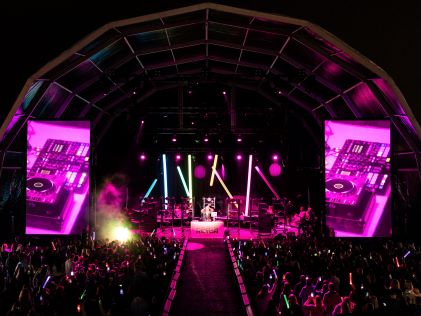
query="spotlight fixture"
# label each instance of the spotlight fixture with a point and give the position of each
(275, 157)
(239, 157)
(224, 92)
(239, 139)
(142, 157)
(121, 233)
(178, 157)
(210, 156)
(174, 138)
(206, 139)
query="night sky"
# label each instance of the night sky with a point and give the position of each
(387, 32)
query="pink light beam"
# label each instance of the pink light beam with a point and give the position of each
(248, 185)
(267, 182)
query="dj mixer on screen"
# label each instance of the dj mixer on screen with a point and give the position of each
(357, 185)
(57, 185)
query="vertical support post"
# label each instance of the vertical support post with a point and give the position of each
(190, 177)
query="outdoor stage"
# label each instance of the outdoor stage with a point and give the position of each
(232, 231)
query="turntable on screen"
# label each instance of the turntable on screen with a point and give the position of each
(47, 201)
(348, 203)
(340, 186)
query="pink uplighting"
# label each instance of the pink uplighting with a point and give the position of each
(275, 170)
(194, 246)
(199, 172)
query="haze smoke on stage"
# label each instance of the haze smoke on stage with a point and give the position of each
(121, 233)
(111, 201)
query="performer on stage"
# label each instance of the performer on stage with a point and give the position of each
(206, 213)
(289, 212)
(306, 219)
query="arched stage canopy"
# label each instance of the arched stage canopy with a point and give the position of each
(296, 66)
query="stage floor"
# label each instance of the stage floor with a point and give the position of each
(234, 232)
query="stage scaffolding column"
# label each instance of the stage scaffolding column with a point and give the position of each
(181, 106)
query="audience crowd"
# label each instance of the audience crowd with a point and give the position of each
(287, 276)
(303, 276)
(72, 277)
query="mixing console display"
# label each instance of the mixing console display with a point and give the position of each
(357, 178)
(57, 177)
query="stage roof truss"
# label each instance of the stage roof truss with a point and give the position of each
(291, 62)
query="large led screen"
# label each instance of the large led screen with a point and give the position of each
(57, 177)
(357, 178)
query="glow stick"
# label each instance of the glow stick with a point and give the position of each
(150, 189)
(267, 182)
(397, 262)
(164, 167)
(286, 301)
(407, 254)
(215, 162)
(248, 185)
(190, 178)
(350, 278)
(46, 282)
(183, 180)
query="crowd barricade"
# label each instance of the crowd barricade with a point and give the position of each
(173, 284)
(238, 277)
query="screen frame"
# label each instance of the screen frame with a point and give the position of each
(391, 180)
(88, 199)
